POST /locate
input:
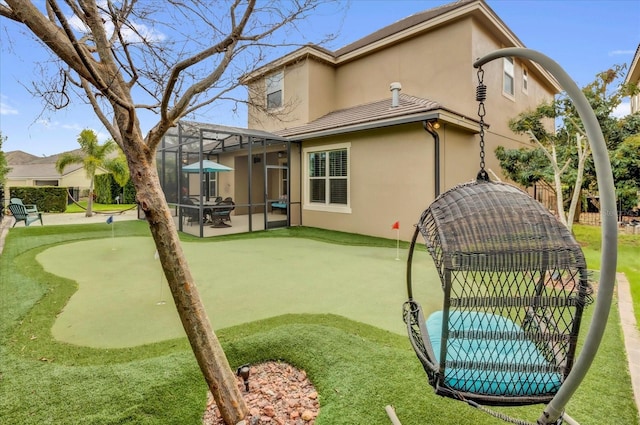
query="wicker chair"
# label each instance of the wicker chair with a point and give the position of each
(221, 213)
(514, 285)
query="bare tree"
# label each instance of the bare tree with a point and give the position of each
(550, 151)
(172, 58)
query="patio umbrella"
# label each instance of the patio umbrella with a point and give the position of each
(208, 166)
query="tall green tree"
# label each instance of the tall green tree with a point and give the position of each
(625, 162)
(93, 157)
(561, 156)
(4, 167)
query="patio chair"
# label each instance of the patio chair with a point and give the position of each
(31, 208)
(222, 212)
(20, 213)
(280, 205)
(192, 214)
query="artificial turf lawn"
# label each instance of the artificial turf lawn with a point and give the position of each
(357, 368)
(120, 284)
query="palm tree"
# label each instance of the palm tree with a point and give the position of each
(96, 156)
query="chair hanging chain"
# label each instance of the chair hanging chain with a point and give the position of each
(481, 96)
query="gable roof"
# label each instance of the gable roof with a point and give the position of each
(376, 115)
(26, 166)
(404, 29)
(401, 25)
(633, 75)
(36, 171)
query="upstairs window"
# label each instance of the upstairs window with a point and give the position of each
(274, 90)
(525, 80)
(508, 77)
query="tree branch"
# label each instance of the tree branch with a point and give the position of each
(113, 130)
(8, 13)
(220, 47)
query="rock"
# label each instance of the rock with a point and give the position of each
(269, 410)
(279, 394)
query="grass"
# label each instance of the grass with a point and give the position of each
(82, 207)
(97, 315)
(628, 258)
(357, 368)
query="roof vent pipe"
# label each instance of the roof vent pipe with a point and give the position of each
(395, 94)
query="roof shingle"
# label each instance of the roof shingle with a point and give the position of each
(366, 113)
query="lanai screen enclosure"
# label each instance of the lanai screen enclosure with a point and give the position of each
(253, 175)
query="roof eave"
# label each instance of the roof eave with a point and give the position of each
(634, 68)
(437, 114)
(302, 53)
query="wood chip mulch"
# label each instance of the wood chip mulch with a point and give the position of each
(279, 394)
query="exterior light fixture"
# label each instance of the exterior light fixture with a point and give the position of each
(243, 372)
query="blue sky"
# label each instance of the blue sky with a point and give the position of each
(584, 36)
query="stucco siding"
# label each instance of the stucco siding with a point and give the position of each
(392, 177)
(321, 90)
(434, 65)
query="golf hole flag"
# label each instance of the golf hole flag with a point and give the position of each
(110, 219)
(396, 227)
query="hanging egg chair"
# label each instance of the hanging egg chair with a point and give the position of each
(514, 284)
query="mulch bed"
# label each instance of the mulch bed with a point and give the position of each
(278, 394)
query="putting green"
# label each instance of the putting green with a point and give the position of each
(121, 286)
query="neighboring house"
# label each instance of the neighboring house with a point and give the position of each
(31, 170)
(382, 125)
(633, 76)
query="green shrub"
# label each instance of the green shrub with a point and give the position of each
(106, 189)
(46, 198)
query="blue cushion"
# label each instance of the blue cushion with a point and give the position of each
(490, 382)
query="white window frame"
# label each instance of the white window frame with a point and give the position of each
(508, 74)
(327, 207)
(283, 180)
(213, 183)
(274, 83)
(525, 80)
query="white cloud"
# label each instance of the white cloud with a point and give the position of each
(74, 127)
(141, 31)
(622, 110)
(621, 52)
(5, 108)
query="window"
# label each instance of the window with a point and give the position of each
(508, 80)
(284, 180)
(327, 186)
(274, 90)
(213, 184)
(45, 183)
(525, 80)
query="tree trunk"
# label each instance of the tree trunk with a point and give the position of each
(89, 212)
(204, 343)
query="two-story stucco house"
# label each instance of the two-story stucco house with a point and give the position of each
(382, 125)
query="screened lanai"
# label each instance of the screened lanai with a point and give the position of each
(220, 180)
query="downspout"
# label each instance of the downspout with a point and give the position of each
(429, 128)
(301, 181)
